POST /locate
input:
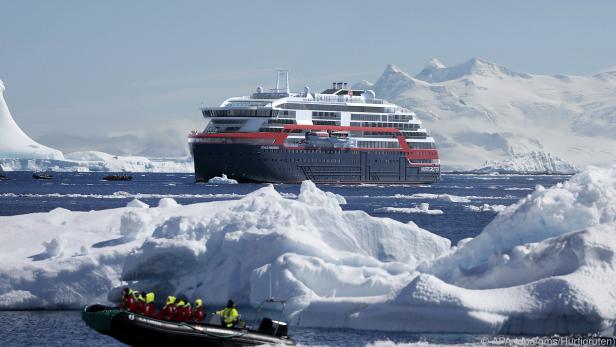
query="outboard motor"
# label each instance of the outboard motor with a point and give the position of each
(274, 328)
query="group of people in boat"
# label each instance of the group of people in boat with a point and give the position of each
(175, 309)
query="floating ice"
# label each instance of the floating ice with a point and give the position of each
(485, 208)
(421, 208)
(546, 265)
(221, 180)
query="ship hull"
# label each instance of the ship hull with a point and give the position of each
(280, 164)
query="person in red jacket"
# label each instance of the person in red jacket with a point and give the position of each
(140, 303)
(198, 313)
(179, 311)
(168, 311)
(148, 310)
(187, 311)
(124, 299)
(133, 302)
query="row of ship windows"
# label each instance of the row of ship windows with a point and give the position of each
(241, 113)
(264, 112)
(323, 151)
(323, 160)
(326, 115)
(423, 145)
(385, 125)
(383, 117)
(424, 161)
(337, 108)
(319, 122)
(378, 144)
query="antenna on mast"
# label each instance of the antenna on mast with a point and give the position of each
(284, 73)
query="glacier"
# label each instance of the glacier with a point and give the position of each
(14, 143)
(94, 161)
(544, 265)
(529, 163)
(479, 112)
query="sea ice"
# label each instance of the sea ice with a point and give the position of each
(421, 208)
(545, 265)
(221, 180)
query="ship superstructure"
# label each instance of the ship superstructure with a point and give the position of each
(341, 135)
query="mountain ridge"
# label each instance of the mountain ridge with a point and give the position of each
(480, 111)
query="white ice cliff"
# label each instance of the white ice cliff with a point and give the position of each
(14, 143)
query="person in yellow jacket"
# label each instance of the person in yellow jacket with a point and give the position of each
(229, 314)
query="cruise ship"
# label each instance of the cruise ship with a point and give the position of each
(341, 135)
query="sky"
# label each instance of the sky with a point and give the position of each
(140, 70)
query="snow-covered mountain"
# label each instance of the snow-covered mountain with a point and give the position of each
(479, 111)
(14, 143)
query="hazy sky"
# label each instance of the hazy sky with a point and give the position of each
(115, 67)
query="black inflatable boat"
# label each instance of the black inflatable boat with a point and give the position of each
(138, 330)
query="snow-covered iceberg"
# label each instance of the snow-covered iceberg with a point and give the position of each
(14, 143)
(18, 152)
(529, 163)
(301, 248)
(545, 265)
(423, 208)
(221, 180)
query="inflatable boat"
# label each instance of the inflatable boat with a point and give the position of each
(138, 330)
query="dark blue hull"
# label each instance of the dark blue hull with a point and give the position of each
(278, 164)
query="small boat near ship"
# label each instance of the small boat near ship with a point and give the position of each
(42, 176)
(140, 330)
(118, 178)
(3, 177)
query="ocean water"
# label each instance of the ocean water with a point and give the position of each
(87, 191)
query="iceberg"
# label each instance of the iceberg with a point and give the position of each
(529, 163)
(544, 265)
(423, 208)
(14, 143)
(221, 180)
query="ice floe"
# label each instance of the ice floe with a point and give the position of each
(221, 180)
(485, 208)
(423, 208)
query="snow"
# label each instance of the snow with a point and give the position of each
(421, 208)
(14, 143)
(545, 265)
(93, 161)
(221, 180)
(441, 197)
(479, 111)
(215, 249)
(529, 163)
(136, 203)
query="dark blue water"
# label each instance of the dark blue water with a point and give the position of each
(65, 328)
(87, 191)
